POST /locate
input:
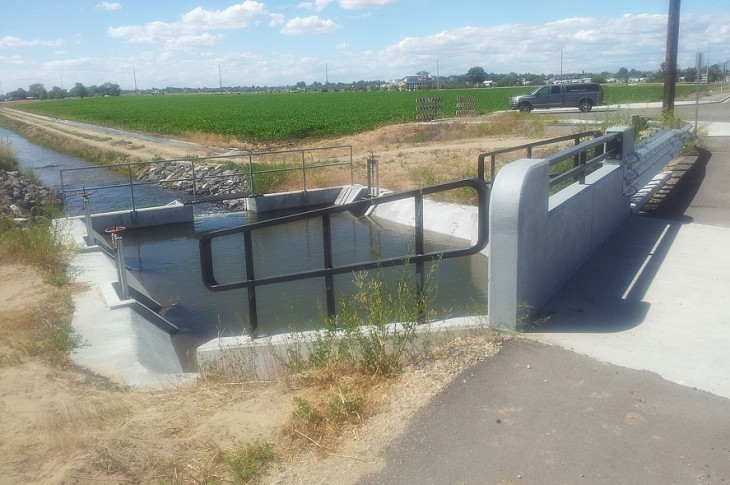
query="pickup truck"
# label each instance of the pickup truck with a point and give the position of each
(583, 96)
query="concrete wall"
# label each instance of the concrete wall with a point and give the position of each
(292, 200)
(537, 242)
(173, 213)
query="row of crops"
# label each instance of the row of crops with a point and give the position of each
(285, 116)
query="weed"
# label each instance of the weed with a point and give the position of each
(246, 461)
(322, 423)
(8, 160)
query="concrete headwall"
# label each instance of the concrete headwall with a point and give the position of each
(538, 242)
(173, 213)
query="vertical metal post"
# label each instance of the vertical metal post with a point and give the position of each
(118, 243)
(63, 190)
(697, 96)
(328, 264)
(420, 249)
(493, 168)
(304, 173)
(352, 168)
(131, 187)
(195, 188)
(250, 175)
(252, 310)
(373, 177)
(87, 218)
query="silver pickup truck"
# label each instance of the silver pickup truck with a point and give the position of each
(583, 96)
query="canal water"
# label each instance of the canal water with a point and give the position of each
(165, 259)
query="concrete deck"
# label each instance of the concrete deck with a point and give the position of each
(116, 340)
(646, 402)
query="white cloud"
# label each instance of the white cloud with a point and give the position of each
(317, 5)
(358, 4)
(198, 20)
(309, 25)
(11, 42)
(108, 6)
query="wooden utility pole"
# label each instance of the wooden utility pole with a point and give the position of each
(670, 64)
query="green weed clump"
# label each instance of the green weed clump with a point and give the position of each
(247, 461)
(374, 330)
(8, 161)
(39, 243)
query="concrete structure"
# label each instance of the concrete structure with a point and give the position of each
(173, 213)
(537, 241)
(120, 339)
(292, 200)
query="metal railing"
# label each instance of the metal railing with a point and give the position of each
(601, 148)
(577, 137)
(197, 176)
(329, 270)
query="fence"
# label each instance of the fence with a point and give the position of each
(196, 182)
(528, 149)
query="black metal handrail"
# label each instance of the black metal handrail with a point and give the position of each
(576, 137)
(328, 271)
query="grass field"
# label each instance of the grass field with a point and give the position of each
(270, 117)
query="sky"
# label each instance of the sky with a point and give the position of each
(203, 43)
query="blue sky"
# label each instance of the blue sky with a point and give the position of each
(185, 42)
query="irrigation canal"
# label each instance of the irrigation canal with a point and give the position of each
(165, 259)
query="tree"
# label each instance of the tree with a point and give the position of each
(37, 91)
(56, 93)
(622, 73)
(79, 91)
(475, 75)
(108, 89)
(19, 93)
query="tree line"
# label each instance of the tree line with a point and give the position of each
(39, 91)
(474, 77)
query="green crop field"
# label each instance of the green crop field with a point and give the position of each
(269, 117)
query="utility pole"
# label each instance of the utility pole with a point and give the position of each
(670, 64)
(220, 79)
(134, 73)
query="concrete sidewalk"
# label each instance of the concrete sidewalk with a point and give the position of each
(625, 380)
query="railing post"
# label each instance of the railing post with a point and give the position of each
(493, 168)
(328, 265)
(304, 173)
(87, 217)
(352, 169)
(420, 266)
(131, 187)
(195, 189)
(250, 174)
(251, 290)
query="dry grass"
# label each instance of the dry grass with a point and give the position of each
(336, 401)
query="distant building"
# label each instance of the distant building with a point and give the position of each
(422, 80)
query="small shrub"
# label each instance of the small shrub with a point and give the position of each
(8, 160)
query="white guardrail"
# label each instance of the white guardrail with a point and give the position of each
(642, 174)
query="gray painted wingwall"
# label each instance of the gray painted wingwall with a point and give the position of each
(537, 242)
